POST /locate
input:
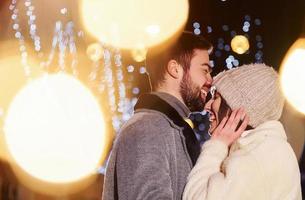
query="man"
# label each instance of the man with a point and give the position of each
(156, 149)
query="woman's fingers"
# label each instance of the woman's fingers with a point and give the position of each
(243, 126)
(226, 130)
(232, 118)
(240, 114)
(220, 126)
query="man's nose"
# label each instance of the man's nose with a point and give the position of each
(209, 79)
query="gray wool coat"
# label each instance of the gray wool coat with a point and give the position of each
(149, 159)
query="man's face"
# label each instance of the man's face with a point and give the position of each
(196, 82)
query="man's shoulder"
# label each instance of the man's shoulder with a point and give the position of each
(147, 119)
(146, 126)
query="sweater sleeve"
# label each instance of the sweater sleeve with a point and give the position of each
(238, 180)
(142, 165)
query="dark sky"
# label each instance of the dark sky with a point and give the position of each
(282, 22)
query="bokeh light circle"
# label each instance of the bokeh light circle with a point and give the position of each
(130, 23)
(292, 75)
(240, 44)
(54, 129)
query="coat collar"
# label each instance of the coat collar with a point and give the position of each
(252, 138)
(180, 107)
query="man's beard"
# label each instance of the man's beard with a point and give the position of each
(191, 94)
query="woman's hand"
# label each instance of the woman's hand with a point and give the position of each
(226, 130)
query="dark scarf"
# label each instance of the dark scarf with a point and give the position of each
(153, 102)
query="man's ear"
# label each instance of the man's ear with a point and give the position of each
(174, 69)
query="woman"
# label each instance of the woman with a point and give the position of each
(260, 164)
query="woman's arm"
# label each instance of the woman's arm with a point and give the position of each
(209, 163)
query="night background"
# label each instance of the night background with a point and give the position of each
(270, 26)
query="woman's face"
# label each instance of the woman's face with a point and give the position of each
(212, 106)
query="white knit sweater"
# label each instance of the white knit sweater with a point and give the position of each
(261, 165)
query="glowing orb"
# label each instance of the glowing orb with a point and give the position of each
(95, 51)
(139, 54)
(240, 44)
(130, 23)
(292, 75)
(54, 129)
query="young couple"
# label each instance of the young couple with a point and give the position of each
(156, 154)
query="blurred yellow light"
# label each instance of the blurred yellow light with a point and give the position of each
(128, 23)
(139, 54)
(153, 30)
(240, 44)
(95, 51)
(54, 129)
(12, 78)
(292, 75)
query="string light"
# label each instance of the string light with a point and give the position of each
(20, 37)
(63, 38)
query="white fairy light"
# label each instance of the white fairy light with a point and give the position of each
(197, 31)
(196, 25)
(63, 11)
(142, 70)
(236, 63)
(16, 26)
(63, 42)
(108, 73)
(20, 37)
(212, 63)
(136, 90)
(80, 34)
(229, 65)
(93, 74)
(62, 39)
(33, 27)
(130, 68)
(11, 7)
(121, 85)
(116, 123)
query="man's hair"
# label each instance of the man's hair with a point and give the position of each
(181, 50)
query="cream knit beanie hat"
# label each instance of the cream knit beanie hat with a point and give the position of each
(254, 87)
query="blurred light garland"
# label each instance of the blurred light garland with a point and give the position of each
(20, 37)
(62, 38)
(64, 41)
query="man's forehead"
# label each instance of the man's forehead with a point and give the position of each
(200, 51)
